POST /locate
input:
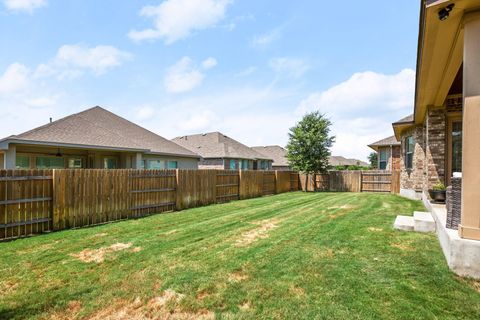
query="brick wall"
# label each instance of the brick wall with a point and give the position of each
(436, 149)
(413, 179)
(395, 162)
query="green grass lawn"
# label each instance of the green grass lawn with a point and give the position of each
(290, 256)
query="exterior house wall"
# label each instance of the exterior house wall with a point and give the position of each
(385, 149)
(182, 163)
(412, 180)
(216, 163)
(281, 168)
(95, 159)
(435, 148)
(395, 162)
(393, 157)
(2, 162)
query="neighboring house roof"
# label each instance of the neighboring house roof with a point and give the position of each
(402, 124)
(100, 129)
(387, 142)
(342, 161)
(277, 153)
(218, 145)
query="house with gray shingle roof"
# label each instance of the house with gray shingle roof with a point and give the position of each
(277, 154)
(219, 151)
(388, 153)
(94, 138)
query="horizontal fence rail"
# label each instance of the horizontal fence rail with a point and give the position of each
(352, 181)
(37, 201)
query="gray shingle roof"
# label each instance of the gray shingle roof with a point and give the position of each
(277, 153)
(390, 141)
(217, 145)
(407, 119)
(342, 161)
(98, 127)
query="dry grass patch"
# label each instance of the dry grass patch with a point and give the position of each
(165, 306)
(98, 255)
(404, 246)
(297, 291)
(238, 276)
(8, 287)
(261, 232)
(245, 306)
(373, 229)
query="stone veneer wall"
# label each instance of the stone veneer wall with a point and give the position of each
(436, 147)
(413, 179)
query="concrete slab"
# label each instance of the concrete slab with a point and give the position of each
(423, 222)
(404, 223)
(462, 255)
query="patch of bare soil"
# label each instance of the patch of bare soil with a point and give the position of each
(8, 287)
(98, 255)
(237, 276)
(99, 235)
(165, 306)
(261, 232)
(245, 306)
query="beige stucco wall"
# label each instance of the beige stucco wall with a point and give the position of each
(95, 158)
(183, 163)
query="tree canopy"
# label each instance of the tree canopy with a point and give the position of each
(309, 144)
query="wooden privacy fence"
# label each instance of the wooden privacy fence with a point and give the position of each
(352, 181)
(36, 201)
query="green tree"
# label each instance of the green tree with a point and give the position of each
(309, 144)
(373, 159)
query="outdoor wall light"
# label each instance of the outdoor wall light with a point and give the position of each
(444, 13)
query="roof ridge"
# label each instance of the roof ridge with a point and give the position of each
(107, 129)
(52, 123)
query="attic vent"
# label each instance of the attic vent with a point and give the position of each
(204, 134)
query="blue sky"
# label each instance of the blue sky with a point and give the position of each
(249, 69)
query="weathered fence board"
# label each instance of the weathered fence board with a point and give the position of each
(376, 181)
(196, 188)
(227, 187)
(283, 182)
(251, 184)
(352, 181)
(35, 201)
(25, 202)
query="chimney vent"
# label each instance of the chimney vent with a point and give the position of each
(50, 120)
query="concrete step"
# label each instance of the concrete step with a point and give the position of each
(423, 222)
(404, 223)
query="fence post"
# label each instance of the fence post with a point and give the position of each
(178, 191)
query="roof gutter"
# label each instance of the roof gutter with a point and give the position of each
(421, 32)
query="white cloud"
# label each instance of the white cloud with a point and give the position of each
(72, 61)
(199, 121)
(144, 112)
(14, 78)
(246, 72)
(209, 63)
(24, 5)
(177, 19)
(183, 76)
(41, 102)
(362, 108)
(264, 40)
(289, 67)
